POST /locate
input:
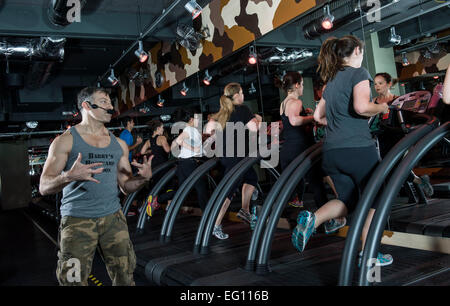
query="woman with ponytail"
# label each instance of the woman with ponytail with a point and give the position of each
(296, 138)
(233, 111)
(157, 144)
(349, 153)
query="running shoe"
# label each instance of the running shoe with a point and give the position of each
(244, 216)
(426, 186)
(382, 259)
(218, 232)
(304, 230)
(332, 226)
(152, 205)
(296, 203)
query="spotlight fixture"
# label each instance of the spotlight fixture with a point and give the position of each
(436, 77)
(184, 90)
(252, 57)
(394, 38)
(405, 61)
(252, 89)
(328, 18)
(140, 53)
(32, 124)
(160, 102)
(207, 79)
(193, 8)
(165, 118)
(112, 78)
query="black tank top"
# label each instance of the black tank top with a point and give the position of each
(294, 134)
(159, 155)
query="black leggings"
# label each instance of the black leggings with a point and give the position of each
(350, 170)
(288, 153)
(184, 169)
(249, 177)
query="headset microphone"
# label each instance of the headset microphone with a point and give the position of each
(95, 106)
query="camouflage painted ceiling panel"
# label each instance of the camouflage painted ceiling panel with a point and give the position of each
(232, 24)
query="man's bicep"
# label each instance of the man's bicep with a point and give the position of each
(56, 159)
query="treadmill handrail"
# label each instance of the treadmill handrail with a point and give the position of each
(155, 191)
(396, 181)
(217, 204)
(181, 194)
(282, 199)
(368, 195)
(130, 198)
(237, 171)
(211, 200)
(268, 204)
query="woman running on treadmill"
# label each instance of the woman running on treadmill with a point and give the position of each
(233, 111)
(296, 138)
(189, 147)
(157, 144)
(349, 153)
(383, 83)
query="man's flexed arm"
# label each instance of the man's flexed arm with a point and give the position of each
(127, 182)
(53, 180)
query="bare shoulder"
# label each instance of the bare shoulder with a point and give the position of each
(63, 142)
(122, 143)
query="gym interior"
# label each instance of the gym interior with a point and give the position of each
(155, 57)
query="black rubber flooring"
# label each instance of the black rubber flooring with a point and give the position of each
(176, 264)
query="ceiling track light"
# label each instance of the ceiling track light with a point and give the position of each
(405, 61)
(193, 8)
(160, 102)
(184, 90)
(140, 53)
(207, 79)
(395, 38)
(112, 78)
(32, 124)
(328, 18)
(252, 57)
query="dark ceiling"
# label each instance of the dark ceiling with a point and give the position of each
(108, 28)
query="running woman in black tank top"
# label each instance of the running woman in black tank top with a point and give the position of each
(296, 138)
(159, 151)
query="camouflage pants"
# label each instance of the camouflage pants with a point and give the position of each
(79, 238)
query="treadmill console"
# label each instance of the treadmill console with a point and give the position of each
(416, 102)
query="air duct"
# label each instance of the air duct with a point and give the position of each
(43, 49)
(59, 9)
(43, 53)
(286, 56)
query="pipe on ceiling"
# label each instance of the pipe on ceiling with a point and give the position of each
(40, 49)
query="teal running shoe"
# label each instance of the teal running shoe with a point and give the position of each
(304, 230)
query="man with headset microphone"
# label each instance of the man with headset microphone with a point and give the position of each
(88, 163)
